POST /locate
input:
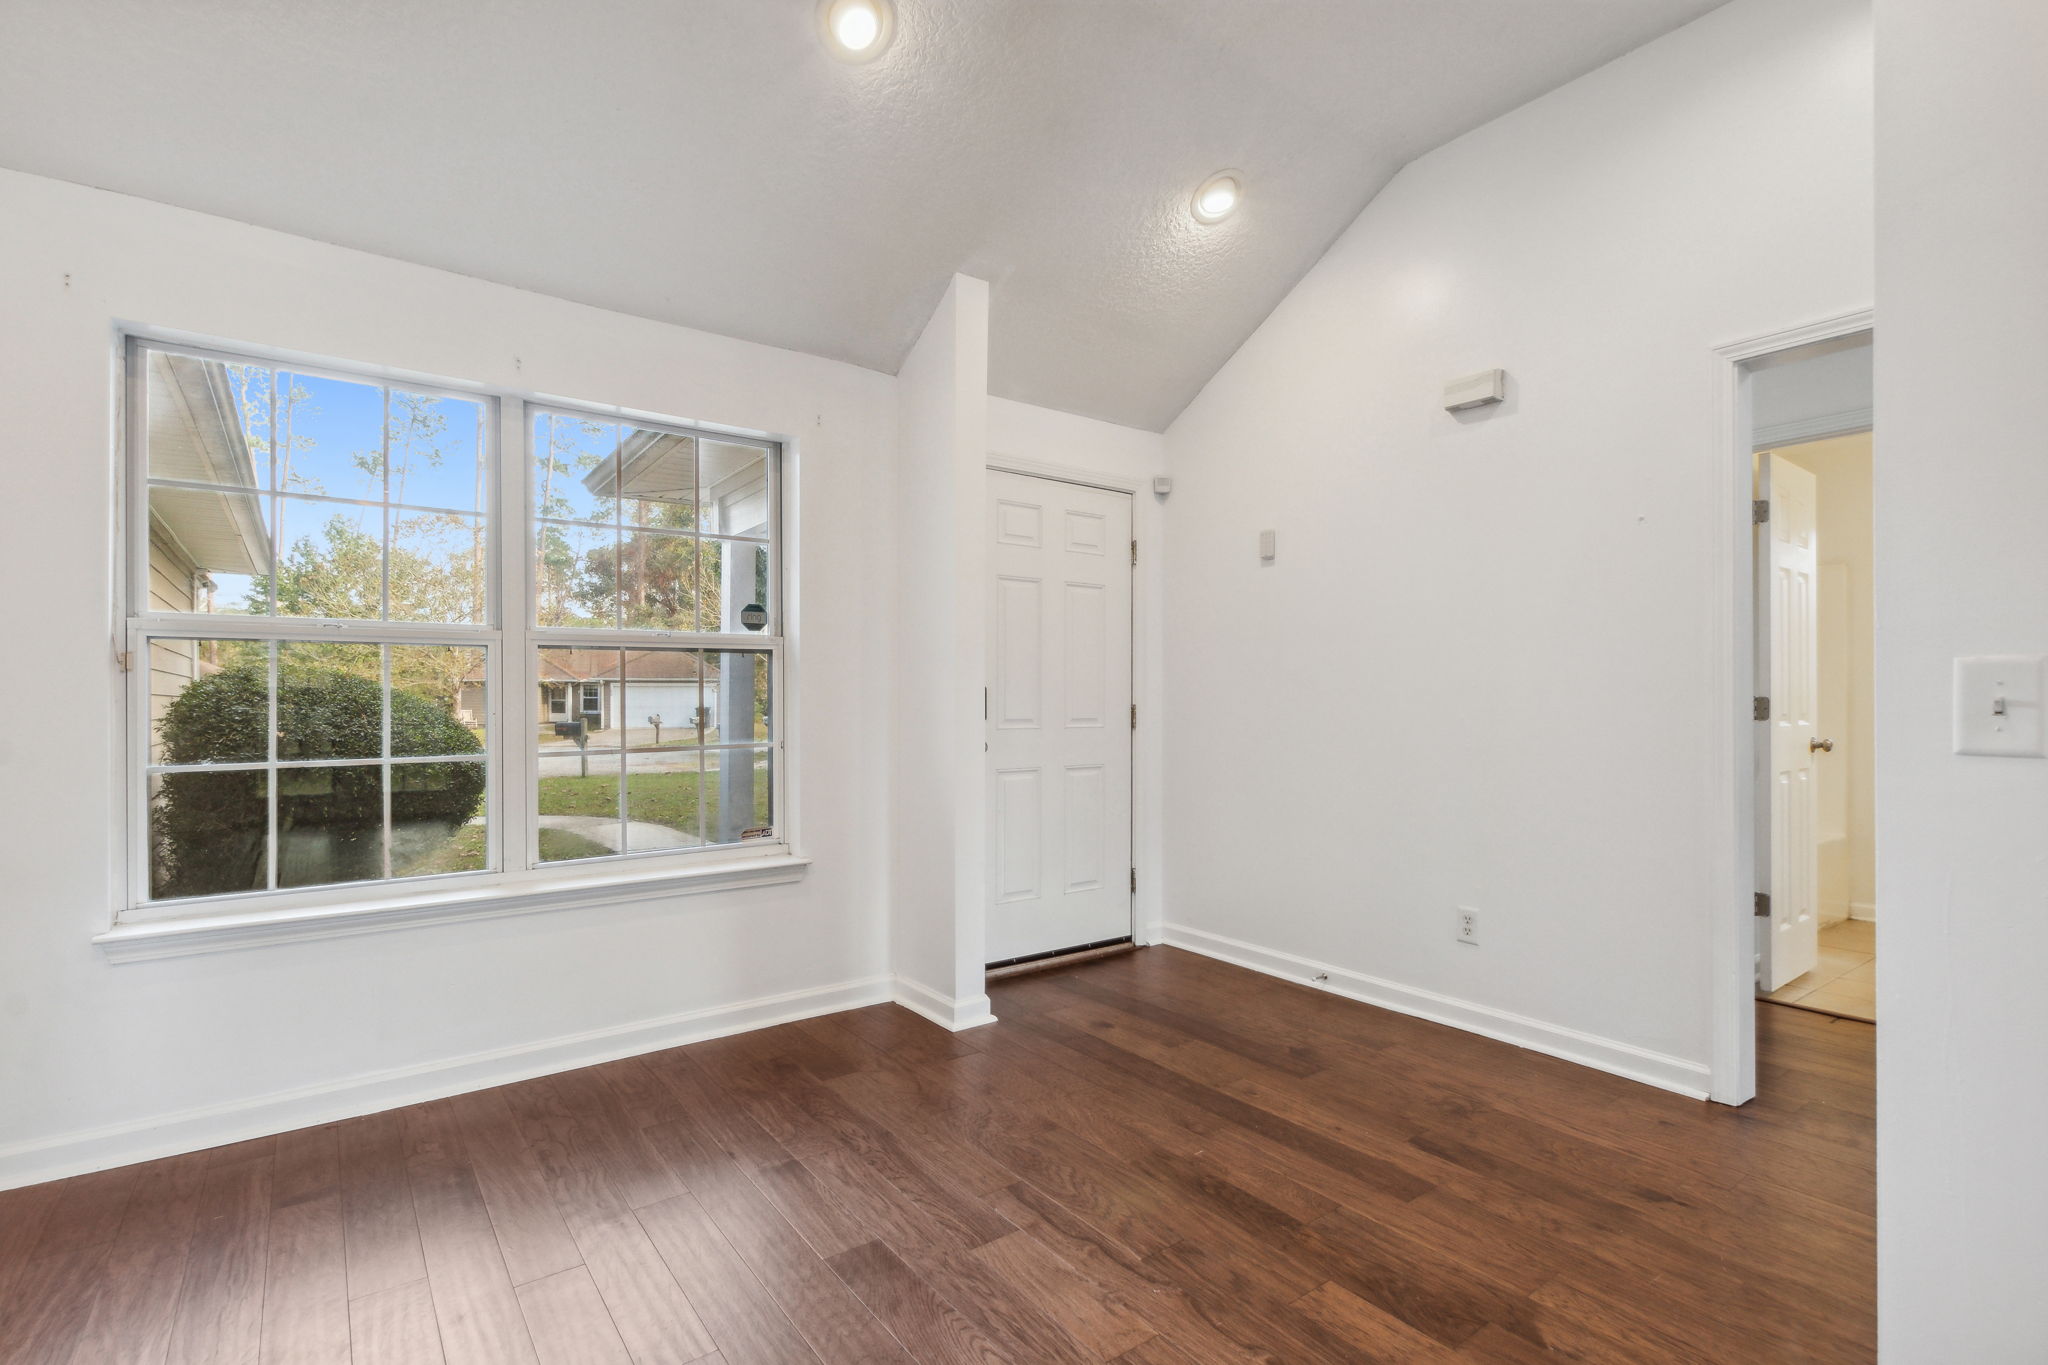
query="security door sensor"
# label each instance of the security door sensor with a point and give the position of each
(1475, 391)
(1162, 485)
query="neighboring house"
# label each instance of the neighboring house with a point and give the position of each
(195, 435)
(659, 686)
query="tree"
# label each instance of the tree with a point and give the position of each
(566, 450)
(341, 574)
(587, 574)
(436, 572)
(210, 828)
(657, 579)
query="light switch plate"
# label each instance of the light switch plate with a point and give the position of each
(1998, 706)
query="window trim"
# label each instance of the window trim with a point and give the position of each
(514, 880)
(141, 940)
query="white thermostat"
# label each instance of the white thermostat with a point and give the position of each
(1475, 390)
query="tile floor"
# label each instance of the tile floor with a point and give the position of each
(1844, 980)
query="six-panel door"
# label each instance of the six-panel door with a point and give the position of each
(1059, 716)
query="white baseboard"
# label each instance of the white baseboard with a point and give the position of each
(1604, 1054)
(190, 1130)
(943, 1010)
(1863, 911)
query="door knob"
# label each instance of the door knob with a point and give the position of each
(1820, 746)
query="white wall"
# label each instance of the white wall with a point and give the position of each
(1962, 568)
(1021, 435)
(938, 824)
(1481, 671)
(85, 1045)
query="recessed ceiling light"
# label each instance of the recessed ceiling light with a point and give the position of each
(857, 30)
(1217, 198)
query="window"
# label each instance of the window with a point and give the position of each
(646, 531)
(344, 672)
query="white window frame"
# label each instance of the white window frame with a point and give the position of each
(514, 881)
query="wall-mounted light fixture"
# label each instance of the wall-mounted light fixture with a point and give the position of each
(857, 30)
(1476, 391)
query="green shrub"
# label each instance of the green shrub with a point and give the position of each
(209, 827)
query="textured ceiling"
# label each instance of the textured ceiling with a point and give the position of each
(705, 162)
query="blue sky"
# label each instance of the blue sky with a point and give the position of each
(337, 427)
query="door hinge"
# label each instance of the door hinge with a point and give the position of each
(1760, 708)
(1134, 552)
(1759, 512)
(126, 660)
(1134, 715)
(1134, 881)
(1763, 904)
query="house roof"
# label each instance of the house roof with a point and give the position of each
(657, 465)
(641, 665)
(195, 435)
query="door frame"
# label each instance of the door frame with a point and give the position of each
(1147, 768)
(1732, 888)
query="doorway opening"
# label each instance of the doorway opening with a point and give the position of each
(1813, 553)
(1798, 921)
(1818, 944)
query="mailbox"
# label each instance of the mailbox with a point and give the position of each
(569, 729)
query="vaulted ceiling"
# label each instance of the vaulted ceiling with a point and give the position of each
(705, 162)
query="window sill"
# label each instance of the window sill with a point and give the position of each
(219, 933)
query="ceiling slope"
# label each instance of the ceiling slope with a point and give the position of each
(705, 162)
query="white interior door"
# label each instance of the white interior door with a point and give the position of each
(1059, 716)
(1790, 939)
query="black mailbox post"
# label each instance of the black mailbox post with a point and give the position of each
(573, 729)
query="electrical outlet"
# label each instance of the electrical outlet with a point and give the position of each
(1468, 926)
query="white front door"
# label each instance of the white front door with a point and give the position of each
(1059, 716)
(1790, 941)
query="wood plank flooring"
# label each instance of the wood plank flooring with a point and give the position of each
(1153, 1159)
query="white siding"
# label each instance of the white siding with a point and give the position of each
(172, 663)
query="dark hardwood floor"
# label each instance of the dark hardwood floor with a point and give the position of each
(1155, 1160)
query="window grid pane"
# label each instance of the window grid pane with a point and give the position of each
(274, 492)
(667, 748)
(279, 765)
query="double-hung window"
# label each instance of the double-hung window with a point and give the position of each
(368, 645)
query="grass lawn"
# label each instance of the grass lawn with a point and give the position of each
(660, 798)
(560, 845)
(464, 852)
(669, 799)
